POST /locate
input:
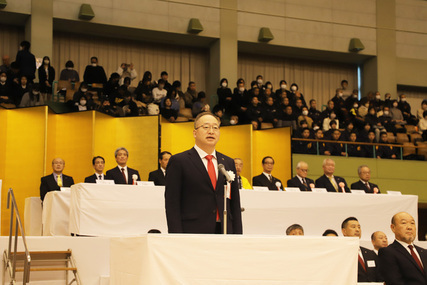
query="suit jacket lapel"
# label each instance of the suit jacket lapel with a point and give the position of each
(198, 163)
(329, 182)
(407, 254)
(221, 179)
(422, 252)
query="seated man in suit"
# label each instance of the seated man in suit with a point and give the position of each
(266, 179)
(56, 180)
(98, 163)
(243, 182)
(379, 240)
(159, 176)
(123, 174)
(329, 181)
(301, 180)
(364, 184)
(368, 260)
(402, 262)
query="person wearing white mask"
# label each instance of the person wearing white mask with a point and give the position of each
(46, 76)
(94, 73)
(69, 73)
(241, 101)
(260, 81)
(304, 117)
(5, 90)
(32, 97)
(406, 110)
(396, 114)
(352, 99)
(327, 121)
(224, 95)
(283, 87)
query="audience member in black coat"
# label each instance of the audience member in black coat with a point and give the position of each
(46, 76)
(406, 110)
(369, 149)
(355, 150)
(225, 96)
(241, 101)
(271, 112)
(159, 176)
(386, 151)
(94, 73)
(352, 99)
(255, 113)
(314, 114)
(336, 149)
(6, 94)
(144, 89)
(26, 61)
(283, 85)
(167, 112)
(306, 147)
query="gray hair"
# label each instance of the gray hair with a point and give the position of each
(300, 163)
(326, 160)
(119, 149)
(294, 227)
(359, 169)
(204, 114)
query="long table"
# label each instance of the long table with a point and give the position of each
(111, 210)
(213, 259)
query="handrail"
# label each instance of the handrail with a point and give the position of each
(11, 256)
(358, 143)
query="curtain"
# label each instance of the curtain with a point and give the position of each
(10, 38)
(182, 63)
(316, 80)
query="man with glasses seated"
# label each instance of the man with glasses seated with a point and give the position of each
(194, 193)
(265, 178)
(300, 180)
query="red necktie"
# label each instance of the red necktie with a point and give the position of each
(414, 255)
(361, 262)
(124, 175)
(211, 170)
(212, 176)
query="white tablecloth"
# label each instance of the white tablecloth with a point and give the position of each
(248, 260)
(56, 213)
(33, 216)
(111, 210)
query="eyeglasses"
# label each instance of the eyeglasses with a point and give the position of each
(207, 127)
(303, 170)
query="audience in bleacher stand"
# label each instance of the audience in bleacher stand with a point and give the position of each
(126, 70)
(295, 230)
(406, 110)
(335, 148)
(301, 180)
(330, 233)
(26, 61)
(167, 111)
(385, 151)
(402, 262)
(98, 163)
(266, 179)
(13, 75)
(396, 114)
(259, 82)
(126, 107)
(225, 96)
(190, 96)
(143, 90)
(271, 113)
(354, 150)
(254, 113)
(386, 120)
(345, 89)
(159, 176)
(377, 103)
(288, 118)
(32, 97)
(364, 173)
(200, 105)
(94, 73)
(422, 126)
(5, 67)
(329, 181)
(5, 90)
(352, 100)
(165, 76)
(82, 92)
(379, 240)
(46, 76)
(320, 146)
(282, 90)
(314, 113)
(333, 125)
(56, 180)
(420, 112)
(339, 105)
(122, 174)
(242, 181)
(367, 267)
(305, 116)
(241, 101)
(69, 73)
(159, 92)
(304, 147)
(111, 88)
(20, 89)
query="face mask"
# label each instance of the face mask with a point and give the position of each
(395, 105)
(24, 86)
(355, 106)
(354, 95)
(82, 102)
(94, 64)
(305, 112)
(340, 94)
(403, 99)
(283, 86)
(84, 90)
(46, 62)
(315, 128)
(378, 97)
(36, 92)
(224, 84)
(241, 89)
(333, 116)
(69, 68)
(3, 79)
(269, 86)
(386, 113)
(259, 81)
(232, 122)
(294, 88)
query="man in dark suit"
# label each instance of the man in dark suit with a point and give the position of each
(364, 184)
(159, 176)
(123, 174)
(56, 180)
(329, 181)
(402, 262)
(300, 180)
(98, 163)
(194, 193)
(266, 179)
(367, 267)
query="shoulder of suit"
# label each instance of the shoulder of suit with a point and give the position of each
(66, 176)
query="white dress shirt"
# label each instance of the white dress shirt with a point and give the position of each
(203, 155)
(126, 172)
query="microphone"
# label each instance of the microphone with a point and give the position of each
(224, 172)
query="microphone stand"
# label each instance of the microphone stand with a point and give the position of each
(225, 210)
